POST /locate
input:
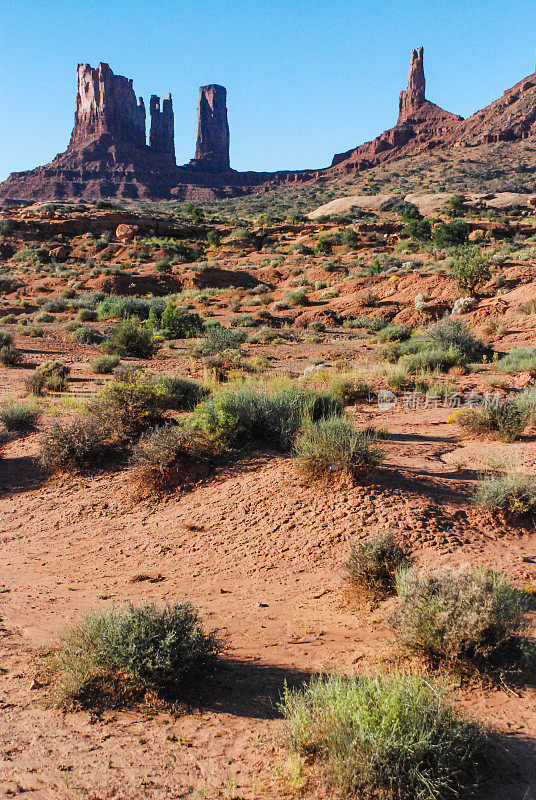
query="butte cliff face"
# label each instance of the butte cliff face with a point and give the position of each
(108, 155)
(212, 144)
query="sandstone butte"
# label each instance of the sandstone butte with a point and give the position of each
(108, 155)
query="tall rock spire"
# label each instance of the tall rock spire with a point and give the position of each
(162, 131)
(212, 145)
(414, 96)
(107, 106)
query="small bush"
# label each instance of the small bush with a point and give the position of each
(178, 323)
(81, 444)
(86, 335)
(393, 737)
(333, 446)
(183, 395)
(373, 564)
(459, 616)
(163, 650)
(297, 297)
(519, 359)
(10, 356)
(19, 417)
(104, 365)
(168, 456)
(243, 417)
(135, 404)
(130, 339)
(526, 403)
(470, 268)
(454, 333)
(451, 234)
(50, 376)
(432, 359)
(513, 495)
(217, 340)
(6, 338)
(394, 333)
(503, 419)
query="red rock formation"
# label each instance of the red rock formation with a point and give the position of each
(106, 106)
(212, 146)
(162, 133)
(412, 98)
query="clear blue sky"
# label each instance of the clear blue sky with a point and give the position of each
(305, 78)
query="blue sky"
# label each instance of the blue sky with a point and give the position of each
(304, 78)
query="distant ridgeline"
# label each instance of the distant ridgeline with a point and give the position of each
(108, 155)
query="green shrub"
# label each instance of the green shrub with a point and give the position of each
(19, 417)
(123, 307)
(50, 376)
(297, 297)
(451, 234)
(10, 356)
(178, 323)
(244, 417)
(323, 247)
(333, 446)
(393, 737)
(218, 339)
(163, 650)
(418, 229)
(526, 403)
(135, 404)
(130, 339)
(182, 394)
(470, 268)
(372, 565)
(6, 338)
(503, 419)
(513, 495)
(168, 456)
(86, 335)
(163, 265)
(431, 359)
(394, 333)
(518, 359)
(454, 333)
(86, 315)
(104, 365)
(459, 616)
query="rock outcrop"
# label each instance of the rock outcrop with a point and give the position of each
(212, 144)
(106, 106)
(162, 133)
(412, 98)
(421, 126)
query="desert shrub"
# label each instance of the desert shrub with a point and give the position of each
(50, 376)
(350, 390)
(86, 335)
(526, 403)
(135, 404)
(182, 394)
(419, 229)
(431, 359)
(44, 317)
(123, 307)
(163, 265)
(19, 417)
(165, 651)
(6, 338)
(503, 419)
(85, 442)
(323, 246)
(470, 268)
(10, 356)
(104, 365)
(451, 234)
(178, 323)
(393, 737)
(518, 359)
(218, 339)
(131, 339)
(459, 616)
(297, 298)
(168, 456)
(394, 333)
(454, 333)
(513, 495)
(242, 417)
(86, 315)
(372, 565)
(333, 446)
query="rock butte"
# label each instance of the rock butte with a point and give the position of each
(108, 155)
